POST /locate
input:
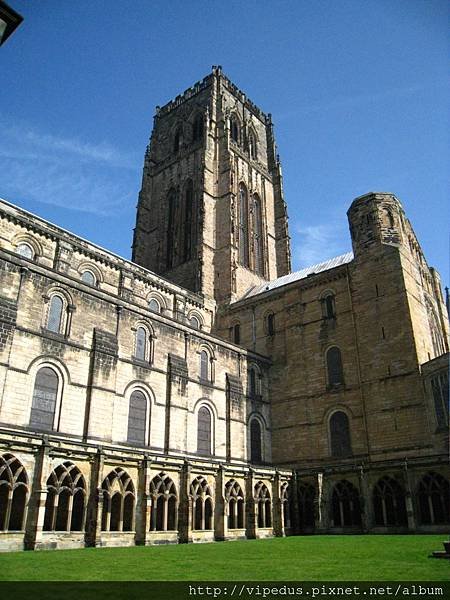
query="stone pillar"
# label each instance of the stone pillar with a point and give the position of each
(277, 507)
(93, 529)
(410, 513)
(293, 498)
(220, 525)
(36, 506)
(184, 506)
(250, 506)
(322, 502)
(367, 517)
(143, 504)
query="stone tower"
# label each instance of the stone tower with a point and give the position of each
(211, 215)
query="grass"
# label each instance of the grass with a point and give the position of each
(357, 558)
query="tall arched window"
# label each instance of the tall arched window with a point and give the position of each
(188, 225)
(204, 366)
(234, 129)
(345, 505)
(204, 431)
(236, 505)
(252, 147)
(164, 504)
(270, 323)
(172, 229)
(154, 305)
(236, 333)
(197, 128)
(141, 344)
(328, 306)
(389, 503)
(440, 391)
(137, 418)
(45, 395)
(66, 496)
(55, 313)
(177, 140)
(255, 442)
(13, 493)
(263, 505)
(202, 504)
(243, 226)
(433, 495)
(334, 367)
(257, 236)
(194, 322)
(118, 501)
(340, 435)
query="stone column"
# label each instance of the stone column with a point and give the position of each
(295, 511)
(93, 529)
(366, 503)
(277, 507)
(184, 506)
(410, 513)
(322, 502)
(143, 504)
(250, 506)
(36, 505)
(220, 525)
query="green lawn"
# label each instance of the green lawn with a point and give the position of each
(357, 557)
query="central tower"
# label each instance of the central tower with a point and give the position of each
(211, 215)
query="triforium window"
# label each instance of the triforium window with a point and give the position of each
(45, 395)
(340, 435)
(13, 493)
(204, 430)
(257, 236)
(255, 442)
(334, 366)
(137, 418)
(55, 313)
(243, 226)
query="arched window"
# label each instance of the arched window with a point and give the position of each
(25, 250)
(257, 236)
(137, 418)
(164, 504)
(334, 367)
(172, 229)
(306, 506)
(263, 505)
(55, 313)
(88, 277)
(45, 395)
(243, 226)
(236, 505)
(254, 384)
(270, 323)
(13, 493)
(202, 504)
(195, 323)
(197, 128)
(286, 505)
(188, 220)
(252, 147)
(389, 503)
(255, 442)
(345, 505)
(234, 129)
(340, 435)
(236, 333)
(328, 306)
(118, 501)
(143, 342)
(205, 374)
(433, 495)
(440, 391)
(154, 305)
(66, 495)
(177, 140)
(204, 431)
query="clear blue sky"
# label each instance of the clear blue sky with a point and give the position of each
(359, 93)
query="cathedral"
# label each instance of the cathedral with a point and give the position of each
(203, 391)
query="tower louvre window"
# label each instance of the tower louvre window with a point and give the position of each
(252, 147)
(234, 129)
(188, 224)
(172, 229)
(243, 226)
(197, 129)
(257, 235)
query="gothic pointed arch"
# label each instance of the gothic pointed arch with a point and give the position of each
(345, 505)
(306, 505)
(263, 505)
(258, 238)
(164, 498)
(118, 501)
(234, 498)
(14, 491)
(389, 503)
(66, 499)
(433, 499)
(202, 504)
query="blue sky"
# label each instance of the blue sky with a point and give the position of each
(358, 89)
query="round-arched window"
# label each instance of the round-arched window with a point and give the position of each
(154, 306)
(25, 250)
(88, 277)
